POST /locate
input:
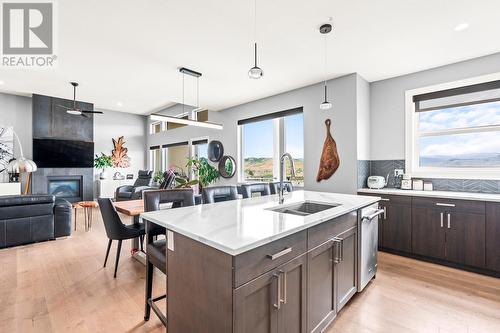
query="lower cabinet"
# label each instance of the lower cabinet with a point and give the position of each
(449, 230)
(332, 273)
(274, 302)
(493, 236)
(395, 224)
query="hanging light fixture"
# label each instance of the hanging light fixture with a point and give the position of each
(255, 72)
(325, 30)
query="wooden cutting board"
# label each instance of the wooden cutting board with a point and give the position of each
(330, 160)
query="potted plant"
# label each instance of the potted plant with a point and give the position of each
(206, 173)
(102, 162)
(158, 178)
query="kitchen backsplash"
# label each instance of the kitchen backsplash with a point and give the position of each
(383, 167)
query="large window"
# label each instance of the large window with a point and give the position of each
(265, 139)
(455, 133)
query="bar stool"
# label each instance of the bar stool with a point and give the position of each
(156, 249)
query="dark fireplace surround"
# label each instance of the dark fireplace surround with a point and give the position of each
(50, 121)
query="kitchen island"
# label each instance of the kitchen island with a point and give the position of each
(253, 265)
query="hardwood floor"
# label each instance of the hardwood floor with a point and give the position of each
(60, 286)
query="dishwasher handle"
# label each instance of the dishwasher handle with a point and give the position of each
(373, 215)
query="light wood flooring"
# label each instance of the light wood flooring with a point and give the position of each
(60, 286)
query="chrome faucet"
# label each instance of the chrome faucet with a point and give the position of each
(283, 172)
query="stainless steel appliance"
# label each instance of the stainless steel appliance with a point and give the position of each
(368, 240)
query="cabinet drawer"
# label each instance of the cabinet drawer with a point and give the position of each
(253, 263)
(323, 232)
(450, 205)
(390, 199)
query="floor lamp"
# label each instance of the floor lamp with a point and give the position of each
(22, 165)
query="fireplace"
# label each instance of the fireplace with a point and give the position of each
(67, 187)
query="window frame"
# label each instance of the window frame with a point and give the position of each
(278, 144)
(412, 135)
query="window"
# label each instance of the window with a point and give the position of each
(455, 133)
(200, 148)
(156, 127)
(264, 139)
(155, 159)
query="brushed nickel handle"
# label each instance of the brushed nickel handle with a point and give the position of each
(385, 213)
(373, 215)
(337, 257)
(385, 199)
(279, 254)
(284, 287)
(442, 218)
(277, 305)
(449, 221)
(444, 204)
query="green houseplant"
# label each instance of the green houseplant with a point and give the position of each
(206, 173)
(102, 162)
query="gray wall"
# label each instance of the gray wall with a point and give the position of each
(388, 102)
(343, 92)
(114, 124)
(16, 111)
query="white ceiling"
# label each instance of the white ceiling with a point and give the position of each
(129, 52)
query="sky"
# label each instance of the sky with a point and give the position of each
(258, 137)
(459, 117)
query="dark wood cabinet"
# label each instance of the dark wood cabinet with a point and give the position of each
(428, 237)
(346, 268)
(493, 236)
(465, 234)
(321, 293)
(274, 302)
(395, 224)
(256, 305)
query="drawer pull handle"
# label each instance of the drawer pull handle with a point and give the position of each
(444, 204)
(279, 254)
(277, 305)
(385, 199)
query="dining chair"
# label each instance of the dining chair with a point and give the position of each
(156, 249)
(219, 193)
(116, 230)
(248, 190)
(275, 187)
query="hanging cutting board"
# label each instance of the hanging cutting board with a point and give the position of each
(330, 161)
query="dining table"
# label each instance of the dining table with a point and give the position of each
(132, 209)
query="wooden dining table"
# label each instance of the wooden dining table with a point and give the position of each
(132, 209)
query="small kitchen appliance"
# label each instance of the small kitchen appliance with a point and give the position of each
(376, 182)
(406, 183)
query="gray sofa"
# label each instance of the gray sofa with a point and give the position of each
(27, 219)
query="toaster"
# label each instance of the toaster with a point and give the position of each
(376, 182)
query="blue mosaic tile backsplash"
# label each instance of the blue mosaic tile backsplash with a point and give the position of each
(383, 167)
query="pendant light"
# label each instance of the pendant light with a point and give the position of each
(255, 72)
(325, 29)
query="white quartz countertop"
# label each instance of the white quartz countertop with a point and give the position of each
(237, 226)
(437, 194)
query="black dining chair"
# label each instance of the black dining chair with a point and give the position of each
(248, 190)
(219, 193)
(275, 187)
(156, 249)
(116, 230)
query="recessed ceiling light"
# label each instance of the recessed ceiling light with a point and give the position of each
(119, 104)
(461, 27)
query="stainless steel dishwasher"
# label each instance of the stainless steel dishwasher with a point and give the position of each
(368, 241)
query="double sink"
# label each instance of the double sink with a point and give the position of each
(304, 208)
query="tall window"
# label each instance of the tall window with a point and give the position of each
(456, 132)
(155, 158)
(263, 141)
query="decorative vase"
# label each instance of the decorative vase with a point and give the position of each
(104, 174)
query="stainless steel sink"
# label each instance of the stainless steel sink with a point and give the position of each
(304, 208)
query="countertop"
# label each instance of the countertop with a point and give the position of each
(437, 194)
(238, 226)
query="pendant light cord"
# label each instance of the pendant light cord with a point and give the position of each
(255, 31)
(197, 92)
(325, 69)
(183, 92)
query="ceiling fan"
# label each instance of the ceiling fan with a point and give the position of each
(74, 110)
